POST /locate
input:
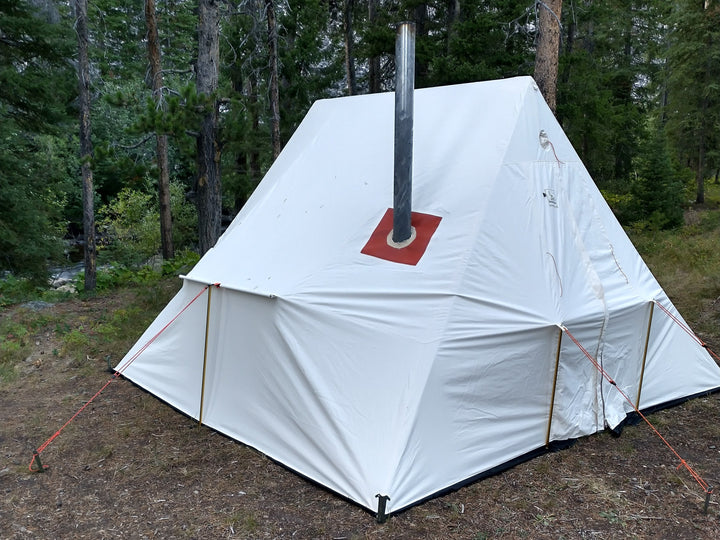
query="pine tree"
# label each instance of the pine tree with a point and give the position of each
(693, 108)
(608, 84)
(33, 70)
(548, 49)
(88, 192)
(153, 44)
(207, 186)
(658, 188)
(36, 159)
(274, 76)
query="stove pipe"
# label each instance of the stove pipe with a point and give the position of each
(404, 89)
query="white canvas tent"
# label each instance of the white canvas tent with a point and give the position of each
(374, 377)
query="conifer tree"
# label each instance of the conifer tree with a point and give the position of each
(693, 108)
(207, 186)
(37, 87)
(153, 44)
(548, 49)
(88, 192)
(658, 187)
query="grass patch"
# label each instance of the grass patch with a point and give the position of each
(243, 521)
(75, 342)
(15, 346)
(612, 517)
(686, 263)
(101, 330)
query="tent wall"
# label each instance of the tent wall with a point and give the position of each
(171, 366)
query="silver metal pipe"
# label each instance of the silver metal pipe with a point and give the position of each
(404, 90)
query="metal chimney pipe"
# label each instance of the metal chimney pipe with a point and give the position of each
(404, 90)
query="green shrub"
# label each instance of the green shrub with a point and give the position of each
(130, 226)
(184, 215)
(14, 290)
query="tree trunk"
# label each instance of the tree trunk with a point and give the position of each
(453, 11)
(88, 193)
(349, 54)
(274, 82)
(374, 68)
(209, 203)
(254, 154)
(548, 49)
(153, 46)
(700, 171)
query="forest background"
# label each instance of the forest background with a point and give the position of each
(637, 93)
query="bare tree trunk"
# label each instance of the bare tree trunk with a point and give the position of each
(700, 171)
(274, 74)
(453, 11)
(548, 49)
(86, 149)
(374, 71)
(209, 203)
(254, 159)
(153, 46)
(349, 55)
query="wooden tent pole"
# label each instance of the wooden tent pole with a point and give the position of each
(645, 351)
(555, 377)
(205, 351)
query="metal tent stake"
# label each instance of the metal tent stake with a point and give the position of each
(707, 498)
(382, 503)
(38, 466)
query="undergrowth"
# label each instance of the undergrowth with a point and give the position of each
(87, 339)
(686, 261)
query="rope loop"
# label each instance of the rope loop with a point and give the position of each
(39, 467)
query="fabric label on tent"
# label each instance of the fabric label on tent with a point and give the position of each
(377, 246)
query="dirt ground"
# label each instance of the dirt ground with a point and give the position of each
(129, 466)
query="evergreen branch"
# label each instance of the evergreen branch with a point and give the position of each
(178, 71)
(137, 145)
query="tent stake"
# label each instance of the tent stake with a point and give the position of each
(39, 467)
(645, 351)
(382, 502)
(555, 376)
(708, 492)
(207, 331)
